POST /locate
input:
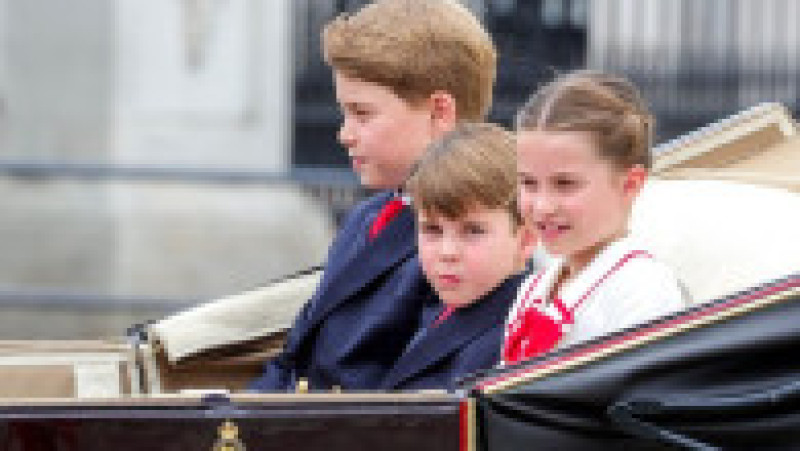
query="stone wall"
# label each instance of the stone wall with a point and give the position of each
(146, 240)
(172, 83)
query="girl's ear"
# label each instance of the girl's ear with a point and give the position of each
(443, 111)
(635, 177)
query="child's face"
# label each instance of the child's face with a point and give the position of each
(383, 134)
(465, 258)
(575, 200)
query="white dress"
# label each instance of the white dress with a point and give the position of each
(623, 286)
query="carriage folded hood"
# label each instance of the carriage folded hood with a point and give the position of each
(723, 374)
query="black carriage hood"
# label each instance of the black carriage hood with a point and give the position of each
(722, 375)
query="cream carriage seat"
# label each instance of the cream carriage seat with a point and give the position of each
(720, 236)
(223, 344)
(235, 319)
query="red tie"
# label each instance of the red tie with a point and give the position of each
(448, 310)
(385, 216)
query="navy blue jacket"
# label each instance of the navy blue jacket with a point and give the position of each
(364, 312)
(470, 339)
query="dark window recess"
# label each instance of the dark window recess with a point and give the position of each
(534, 44)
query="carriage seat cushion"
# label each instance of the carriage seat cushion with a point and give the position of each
(232, 320)
(720, 237)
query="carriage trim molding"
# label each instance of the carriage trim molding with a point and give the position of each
(703, 315)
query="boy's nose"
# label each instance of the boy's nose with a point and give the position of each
(449, 248)
(346, 136)
(542, 205)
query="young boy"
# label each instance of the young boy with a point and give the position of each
(406, 71)
(472, 246)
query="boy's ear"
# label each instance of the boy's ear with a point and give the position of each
(635, 177)
(529, 239)
(443, 111)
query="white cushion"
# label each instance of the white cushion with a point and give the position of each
(720, 237)
(235, 319)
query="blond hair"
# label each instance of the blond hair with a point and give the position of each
(607, 106)
(415, 48)
(473, 165)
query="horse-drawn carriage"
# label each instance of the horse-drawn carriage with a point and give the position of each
(723, 373)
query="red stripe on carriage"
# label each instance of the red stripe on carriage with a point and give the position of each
(464, 425)
(644, 331)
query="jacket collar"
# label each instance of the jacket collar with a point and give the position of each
(395, 244)
(461, 327)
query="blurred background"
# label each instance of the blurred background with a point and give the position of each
(159, 153)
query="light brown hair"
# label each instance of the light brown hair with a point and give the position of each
(473, 165)
(607, 106)
(415, 48)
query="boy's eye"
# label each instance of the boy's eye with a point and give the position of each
(566, 183)
(360, 112)
(428, 228)
(474, 229)
(527, 182)
(356, 111)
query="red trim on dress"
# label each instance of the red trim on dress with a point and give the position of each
(534, 331)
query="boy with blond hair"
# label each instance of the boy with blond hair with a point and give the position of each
(406, 72)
